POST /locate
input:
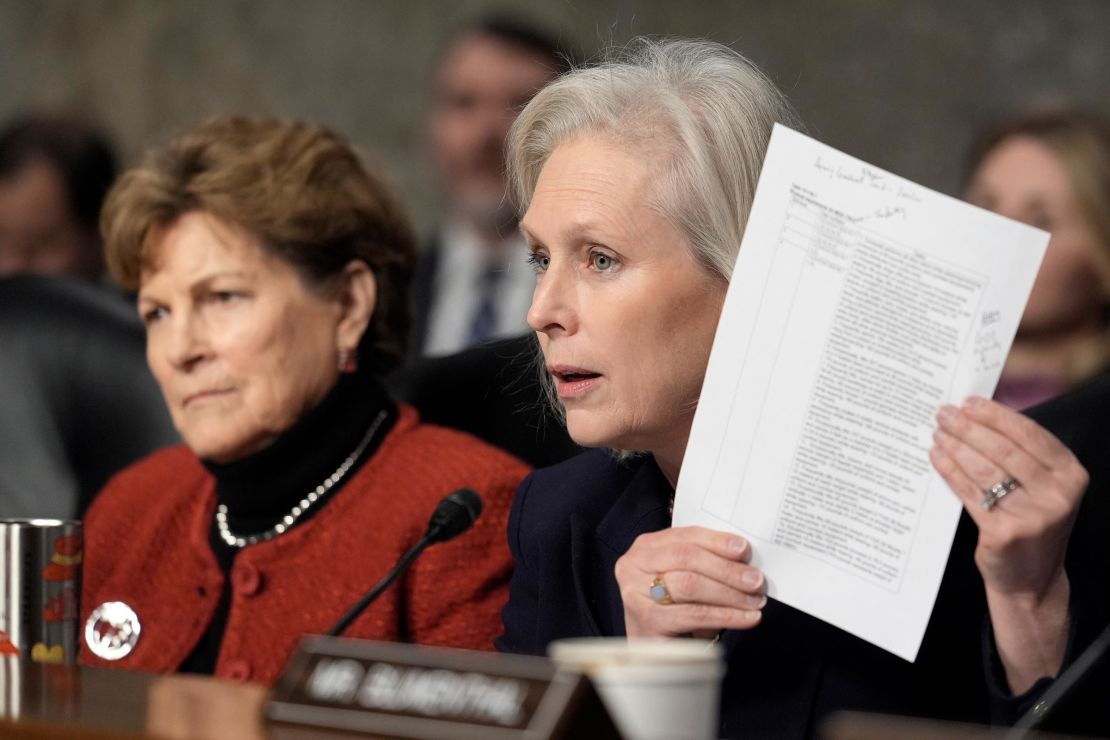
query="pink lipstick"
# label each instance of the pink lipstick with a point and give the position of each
(573, 382)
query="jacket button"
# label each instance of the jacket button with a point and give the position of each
(246, 579)
(237, 669)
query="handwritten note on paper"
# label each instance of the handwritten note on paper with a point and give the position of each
(861, 302)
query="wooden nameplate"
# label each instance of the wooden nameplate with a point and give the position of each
(408, 691)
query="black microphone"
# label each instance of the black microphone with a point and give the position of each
(1066, 684)
(452, 517)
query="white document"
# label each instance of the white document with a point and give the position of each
(861, 302)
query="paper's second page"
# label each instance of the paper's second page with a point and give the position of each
(860, 303)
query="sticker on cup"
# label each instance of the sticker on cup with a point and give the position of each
(40, 589)
(653, 688)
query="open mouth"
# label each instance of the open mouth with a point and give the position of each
(573, 377)
(573, 381)
(568, 374)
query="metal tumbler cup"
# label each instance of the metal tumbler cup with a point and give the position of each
(40, 581)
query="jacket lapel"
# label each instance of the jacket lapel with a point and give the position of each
(587, 569)
(643, 506)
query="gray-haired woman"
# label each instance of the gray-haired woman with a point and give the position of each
(635, 178)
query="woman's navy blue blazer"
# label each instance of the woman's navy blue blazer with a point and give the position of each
(571, 522)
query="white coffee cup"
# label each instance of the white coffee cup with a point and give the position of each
(653, 688)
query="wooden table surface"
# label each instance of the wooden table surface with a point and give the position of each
(53, 701)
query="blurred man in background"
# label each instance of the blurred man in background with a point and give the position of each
(473, 283)
(77, 402)
(54, 173)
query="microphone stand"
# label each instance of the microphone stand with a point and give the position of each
(453, 516)
(1062, 687)
(383, 584)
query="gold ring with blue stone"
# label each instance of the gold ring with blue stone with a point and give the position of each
(659, 593)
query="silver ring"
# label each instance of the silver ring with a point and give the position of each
(998, 491)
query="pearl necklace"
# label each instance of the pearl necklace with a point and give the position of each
(240, 541)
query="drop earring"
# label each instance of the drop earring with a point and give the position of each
(348, 361)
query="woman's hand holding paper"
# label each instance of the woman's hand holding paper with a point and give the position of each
(686, 580)
(1022, 487)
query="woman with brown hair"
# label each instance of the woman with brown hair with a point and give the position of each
(271, 271)
(1051, 169)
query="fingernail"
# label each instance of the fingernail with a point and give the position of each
(751, 578)
(972, 401)
(947, 413)
(737, 545)
(757, 602)
(940, 435)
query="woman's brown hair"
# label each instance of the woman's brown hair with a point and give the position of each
(1081, 141)
(300, 189)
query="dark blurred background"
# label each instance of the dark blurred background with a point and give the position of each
(901, 84)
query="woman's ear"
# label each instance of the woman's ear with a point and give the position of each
(357, 296)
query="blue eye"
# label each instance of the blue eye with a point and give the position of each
(539, 261)
(601, 261)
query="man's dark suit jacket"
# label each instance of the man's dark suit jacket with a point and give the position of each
(492, 391)
(422, 290)
(571, 522)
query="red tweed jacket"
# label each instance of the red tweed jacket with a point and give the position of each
(146, 544)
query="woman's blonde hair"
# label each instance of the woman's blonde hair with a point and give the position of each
(300, 189)
(702, 111)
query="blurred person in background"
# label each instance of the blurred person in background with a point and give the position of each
(54, 174)
(1051, 169)
(77, 401)
(77, 397)
(471, 284)
(272, 274)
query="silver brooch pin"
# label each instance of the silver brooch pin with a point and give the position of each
(112, 630)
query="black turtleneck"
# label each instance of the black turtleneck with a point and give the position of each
(262, 488)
